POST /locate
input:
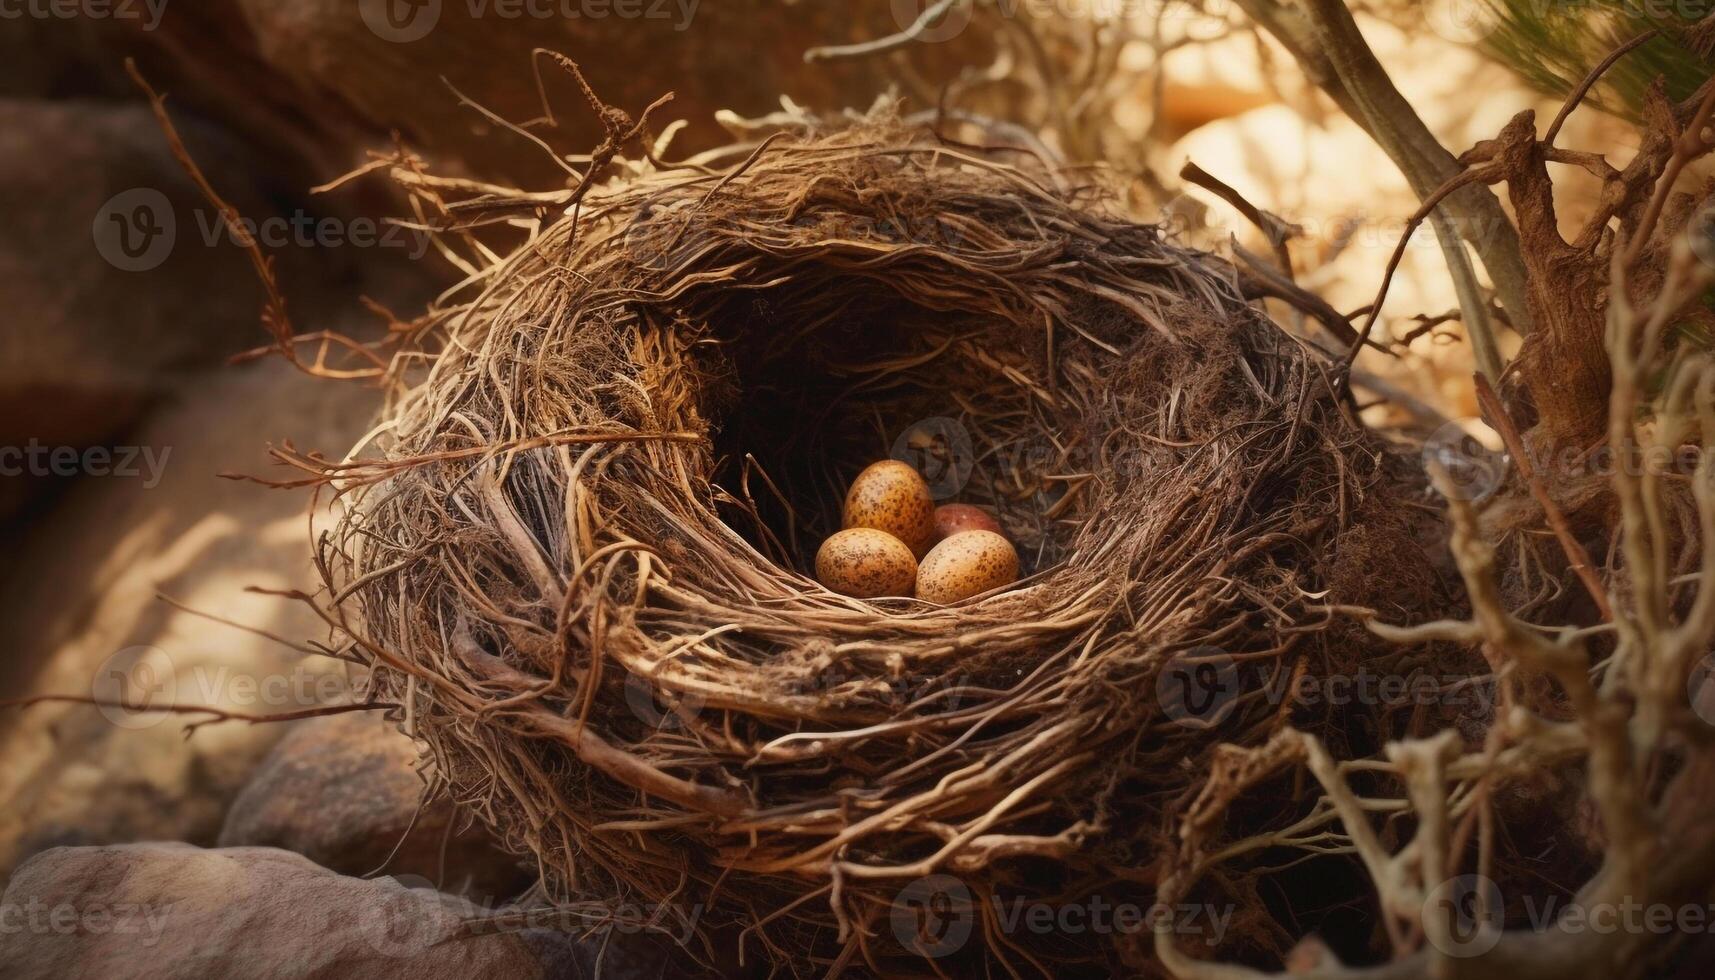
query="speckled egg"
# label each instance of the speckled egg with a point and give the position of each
(890, 496)
(866, 564)
(968, 563)
(950, 519)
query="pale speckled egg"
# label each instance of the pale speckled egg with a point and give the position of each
(966, 564)
(866, 564)
(890, 496)
(950, 519)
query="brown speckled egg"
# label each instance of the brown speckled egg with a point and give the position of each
(865, 563)
(950, 519)
(966, 564)
(890, 496)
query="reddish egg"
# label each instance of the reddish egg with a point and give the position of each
(950, 519)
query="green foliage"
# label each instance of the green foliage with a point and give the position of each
(1554, 43)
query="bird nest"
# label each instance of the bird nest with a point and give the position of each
(581, 562)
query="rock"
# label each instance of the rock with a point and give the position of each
(78, 595)
(177, 911)
(106, 256)
(387, 74)
(60, 58)
(343, 791)
(88, 340)
(317, 84)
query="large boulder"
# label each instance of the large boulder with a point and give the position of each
(88, 340)
(344, 792)
(180, 912)
(58, 58)
(107, 255)
(384, 67)
(319, 81)
(80, 595)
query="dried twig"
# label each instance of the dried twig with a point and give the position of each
(1324, 39)
(1579, 559)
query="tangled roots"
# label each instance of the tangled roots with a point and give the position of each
(580, 562)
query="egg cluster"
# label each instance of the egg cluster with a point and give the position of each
(896, 542)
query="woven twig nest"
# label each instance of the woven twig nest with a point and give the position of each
(583, 566)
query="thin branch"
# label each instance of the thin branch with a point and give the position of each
(1327, 44)
(1575, 553)
(927, 19)
(1577, 97)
